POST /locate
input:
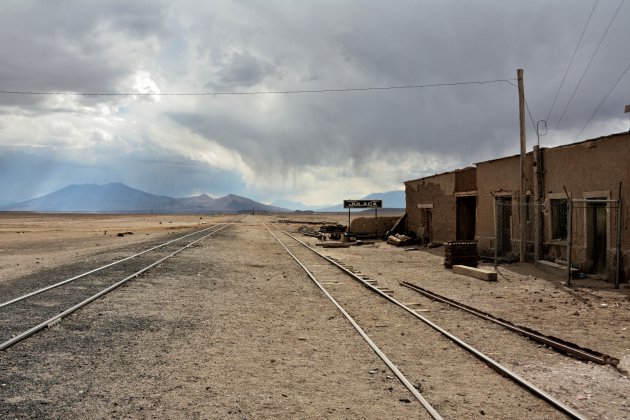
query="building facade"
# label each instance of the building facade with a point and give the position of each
(442, 208)
(571, 192)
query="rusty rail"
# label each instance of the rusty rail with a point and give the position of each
(553, 342)
(57, 318)
(486, 359)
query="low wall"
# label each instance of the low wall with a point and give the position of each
(369, 225)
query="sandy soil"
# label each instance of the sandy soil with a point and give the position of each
(233, 328)
(31, 242)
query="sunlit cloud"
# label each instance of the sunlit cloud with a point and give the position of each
(313, 147)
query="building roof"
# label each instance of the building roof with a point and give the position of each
(602, 138)
(467, 168)
(625, 133)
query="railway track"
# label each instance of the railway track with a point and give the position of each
(556, 343)
(47, 304)
(421, 349)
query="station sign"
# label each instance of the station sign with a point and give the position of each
(362, 204)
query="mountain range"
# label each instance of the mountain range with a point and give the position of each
(120, 198)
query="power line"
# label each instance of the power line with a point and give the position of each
(587, 67)
(571, 62)
(527, 107)
(603, 100)
(272, 92)
(530, 115)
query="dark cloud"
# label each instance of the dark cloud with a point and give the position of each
(241, 70)
(75, 45)
(287, 45)
(429, 42)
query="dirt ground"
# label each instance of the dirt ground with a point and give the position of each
(233, 328)
(31, 242)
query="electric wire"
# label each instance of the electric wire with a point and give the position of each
(587, 68)
(530, 115)
(269, 92)
(527, 107)
(571, 61)
(603, 100)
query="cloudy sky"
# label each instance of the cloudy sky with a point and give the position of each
(318, 147)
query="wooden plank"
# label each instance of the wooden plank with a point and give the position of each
(478, 273)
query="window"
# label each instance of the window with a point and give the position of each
(559, 213)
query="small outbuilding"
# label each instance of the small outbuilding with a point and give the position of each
(442, 207)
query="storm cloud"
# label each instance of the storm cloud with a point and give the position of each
(315, 147)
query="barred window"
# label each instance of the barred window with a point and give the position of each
(559, 212)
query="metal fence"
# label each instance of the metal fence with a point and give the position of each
(594, 236)
(507, 241)
(564, 230)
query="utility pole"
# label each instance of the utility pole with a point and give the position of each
(522, 194)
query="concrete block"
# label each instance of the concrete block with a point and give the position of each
(478, 273)
(555, 269)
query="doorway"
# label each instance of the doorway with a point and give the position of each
(466, 215)
(504, 225)
(426, 223)
(596, 236)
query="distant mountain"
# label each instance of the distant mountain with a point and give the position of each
(293, 205)
(234, 203)
(114, 197)
(197, 203)
(391, 200)
(119, 198)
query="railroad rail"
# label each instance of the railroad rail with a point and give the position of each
(405, 381)
(550, 341)
(50, 322)
(366, 282)
(87, 273)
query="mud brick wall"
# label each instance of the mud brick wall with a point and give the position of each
(368, 225)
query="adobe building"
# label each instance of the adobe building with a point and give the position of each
(442, 207)
(595, 173)
(499, 179)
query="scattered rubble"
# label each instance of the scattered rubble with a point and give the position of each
(332, 228)
(308, 231)
(399, 240)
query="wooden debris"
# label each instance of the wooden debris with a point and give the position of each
(336, 228)
(334, 245)
(478, 273)
(399, 240)
(399, 225)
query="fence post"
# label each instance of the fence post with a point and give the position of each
(496, 232)
(537, 207)
(569, 239)
(619, 215)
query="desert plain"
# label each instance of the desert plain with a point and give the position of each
(232, 327)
